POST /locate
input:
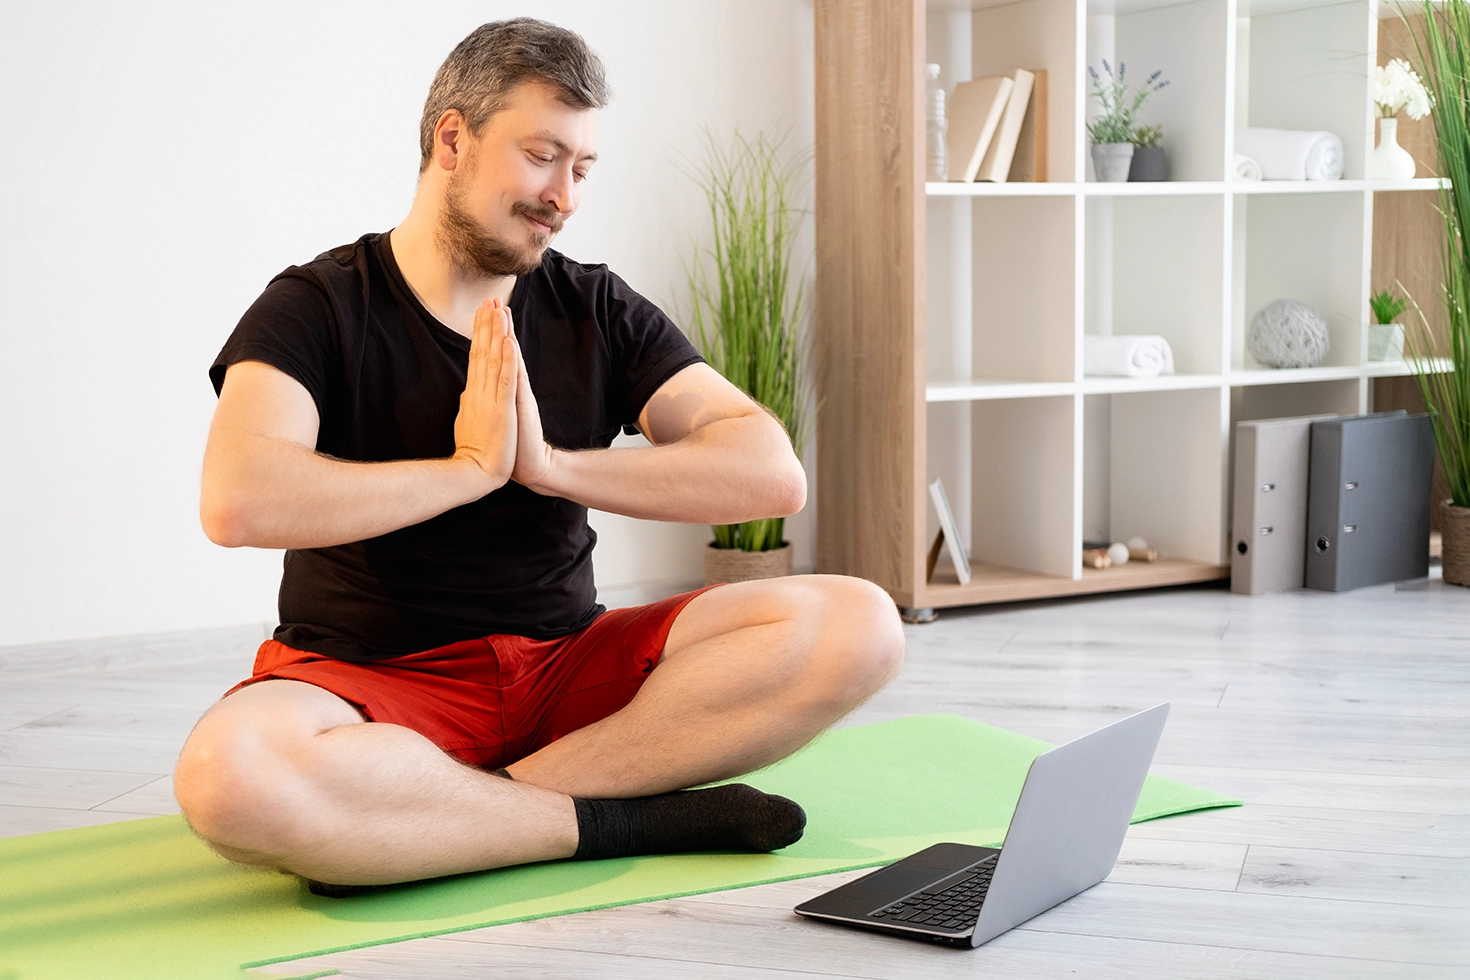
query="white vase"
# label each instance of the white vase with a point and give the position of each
(1385, 341)
(1391, 161)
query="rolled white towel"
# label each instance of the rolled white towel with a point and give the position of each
(1292, 154)
(1246, 168)
(1130, 356)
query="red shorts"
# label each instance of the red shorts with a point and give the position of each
(495, 700)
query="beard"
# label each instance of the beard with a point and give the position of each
(473, 250)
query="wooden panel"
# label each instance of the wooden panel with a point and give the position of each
(1408, 256)
(1408, 231)
(869, 294)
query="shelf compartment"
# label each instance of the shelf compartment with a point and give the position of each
(1335, 397)
(1308, 68)
(1153, 466)
(1022, 482)
(1031, 34)
(1307, 247)
(1188, 42)
(1155, 266)
(1023, 285)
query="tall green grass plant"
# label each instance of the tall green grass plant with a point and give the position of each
(748, 301)
(1442, 43)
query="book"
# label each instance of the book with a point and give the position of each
(949, 531)
(974, 112)
(1029, 163)
(996, 166)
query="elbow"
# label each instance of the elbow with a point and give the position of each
(226, 521)
(790, 490)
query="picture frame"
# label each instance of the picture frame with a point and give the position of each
(949, 534)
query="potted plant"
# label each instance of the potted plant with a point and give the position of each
(747, 310)
(1395, 87)
(1112, 132)
(1386, 338)
(1148, 156)
(1442, 45)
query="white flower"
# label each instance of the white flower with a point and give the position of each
(1396, 86)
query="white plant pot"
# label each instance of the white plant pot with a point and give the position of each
(1391, 161)
(1111, 161)
(1385, 341)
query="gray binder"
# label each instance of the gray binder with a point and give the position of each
(1269, 513)
(1368, 504)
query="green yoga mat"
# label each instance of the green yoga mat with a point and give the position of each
(145, 899)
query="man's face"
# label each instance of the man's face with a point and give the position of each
(515, 185)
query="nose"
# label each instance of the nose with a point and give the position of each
(561, 192)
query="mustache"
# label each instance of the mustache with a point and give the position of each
(547, 216)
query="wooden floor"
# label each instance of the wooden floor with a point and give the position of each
(1342, 720)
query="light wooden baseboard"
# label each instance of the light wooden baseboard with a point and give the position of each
(998, 583)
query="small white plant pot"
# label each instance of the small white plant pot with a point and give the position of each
(1385, 341)
(1391, 161)
(1112, 161)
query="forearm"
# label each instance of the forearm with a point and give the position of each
(278, 494)
(728, 471)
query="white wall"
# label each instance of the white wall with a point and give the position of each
(160, 161)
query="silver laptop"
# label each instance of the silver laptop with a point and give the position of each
(1064, 838)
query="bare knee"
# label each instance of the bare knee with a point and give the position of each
(859, 641)
(235, 781)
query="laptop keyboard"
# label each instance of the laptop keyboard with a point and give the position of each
(951, 903)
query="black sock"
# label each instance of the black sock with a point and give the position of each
(326, 890)
(734, 817)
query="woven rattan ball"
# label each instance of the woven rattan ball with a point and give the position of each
(1287, 334)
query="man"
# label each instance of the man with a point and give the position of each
(422, 419)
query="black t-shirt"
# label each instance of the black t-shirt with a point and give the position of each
(386, 377)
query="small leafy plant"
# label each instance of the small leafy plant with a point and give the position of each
(1386, 306)
(1120, 103)
(1147, 135)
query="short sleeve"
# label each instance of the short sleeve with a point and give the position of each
(647, 349)
(290, 327)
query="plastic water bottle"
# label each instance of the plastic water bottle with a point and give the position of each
(934, 126)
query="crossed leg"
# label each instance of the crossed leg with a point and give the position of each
(286, 774)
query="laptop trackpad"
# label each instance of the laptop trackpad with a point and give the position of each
(900, 879)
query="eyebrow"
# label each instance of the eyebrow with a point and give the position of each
(546, 136)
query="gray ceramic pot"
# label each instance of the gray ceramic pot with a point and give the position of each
(1110, 161)
(1148, 164)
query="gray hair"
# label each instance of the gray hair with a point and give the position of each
(480, 73)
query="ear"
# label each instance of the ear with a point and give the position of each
(450, 133)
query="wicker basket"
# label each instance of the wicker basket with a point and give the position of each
(1454, 528)
(734, 565)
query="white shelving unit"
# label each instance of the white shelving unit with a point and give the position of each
(1037, 457)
